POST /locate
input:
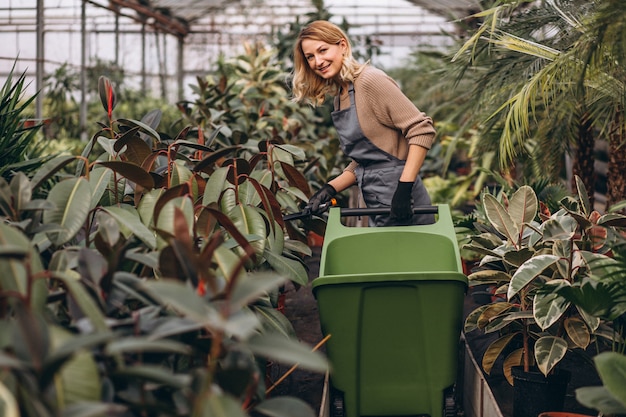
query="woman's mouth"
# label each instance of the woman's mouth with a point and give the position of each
(324, 68)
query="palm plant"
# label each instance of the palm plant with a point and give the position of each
(549, 81)
(18, 136)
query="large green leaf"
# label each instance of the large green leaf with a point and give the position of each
(290, 268)
(251, 287)
(14, 276)
(523, 206)
(8, 404)
(183, 299)
(21, 191)
(166, 222)
(92, 409)
(549, 350)
(488, 276)
(143, 344)
(51, 167)
(147, 205)
(214, 186)
(130, 223)
(578, 332)
(529, 270)
(249, 222)
(599, 398)
(79, 379)
(131, 172)
(471, 321)
(500, 218)
(549, 307)
(99, 179)
(179, 173)
(287, 351)
(274, 321)
(71, 280)
(72, 198)
(494, 350)
(219, 405)
(285, 407)
(154, 373)
(612, 369)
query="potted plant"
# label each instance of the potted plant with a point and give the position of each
(531, 254)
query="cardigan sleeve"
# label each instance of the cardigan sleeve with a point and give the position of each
(395, 110)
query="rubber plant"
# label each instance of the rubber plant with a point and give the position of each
(534, 257)
(141, 284)
(610, 397)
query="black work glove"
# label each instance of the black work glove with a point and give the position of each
(322, 196)
(402, 204)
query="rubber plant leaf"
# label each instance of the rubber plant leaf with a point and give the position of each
(138, 345)
(48, 169)
(494, 350)
(99, 179)
(291, 268)
(578, 332)
(514, 359)
(528, 271)
(500, 218)
(72, 198)
(183, 299)
(131, 172)
(287, 351)
(549, 306)
(214, 186)
(285, 406)
(549, 350)
(471, 321)
(79, 378)
(523, 206)
(219, 405)
(143, 126)
(130, 223)
(250, 223)
(274, 321)
(154, 373)
(251, 287)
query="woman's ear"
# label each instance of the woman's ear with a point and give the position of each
(343, 45)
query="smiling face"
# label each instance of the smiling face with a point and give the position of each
(323, 58)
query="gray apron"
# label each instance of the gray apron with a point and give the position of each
(378, 172)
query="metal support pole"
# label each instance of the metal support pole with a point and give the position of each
(83, 71)
(144, 87)
(180, 70)
(40, 61)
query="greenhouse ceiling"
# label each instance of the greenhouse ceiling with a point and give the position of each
(177, 16)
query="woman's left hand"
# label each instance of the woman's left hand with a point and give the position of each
(402, 204)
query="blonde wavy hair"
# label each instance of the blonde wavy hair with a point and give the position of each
(306, 84)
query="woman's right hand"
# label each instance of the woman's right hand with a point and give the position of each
(322, 196)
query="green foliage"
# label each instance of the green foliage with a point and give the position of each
(545, 265)
(19, 148)
(147, 279)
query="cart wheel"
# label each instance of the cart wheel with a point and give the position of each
(449, 405)
(336, 403)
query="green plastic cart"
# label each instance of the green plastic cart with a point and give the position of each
(392, 300)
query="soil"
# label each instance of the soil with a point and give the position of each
(301, 309)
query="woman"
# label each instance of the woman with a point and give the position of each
(379, 128)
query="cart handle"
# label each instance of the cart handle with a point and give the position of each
(376, 211)
(347, 212)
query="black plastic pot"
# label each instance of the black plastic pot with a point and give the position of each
(533, 393)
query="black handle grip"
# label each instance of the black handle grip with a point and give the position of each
(376, 211)
(347, 212)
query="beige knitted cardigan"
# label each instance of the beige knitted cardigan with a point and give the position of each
(387, 117)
